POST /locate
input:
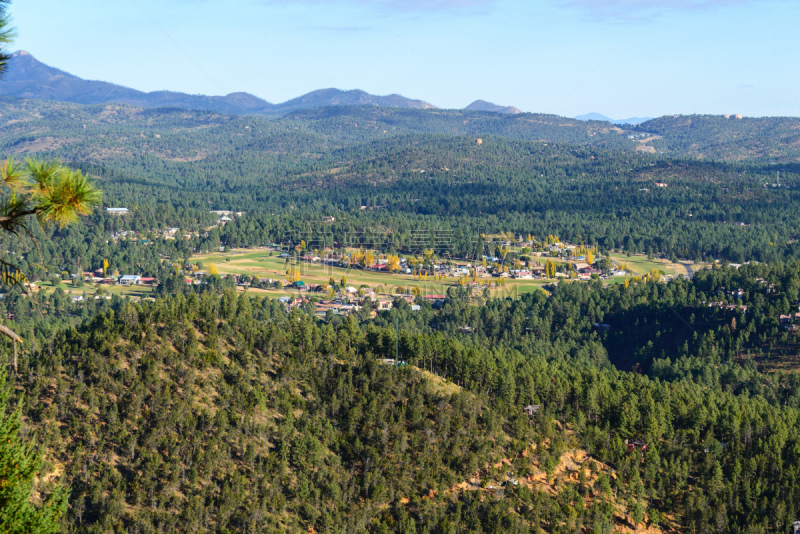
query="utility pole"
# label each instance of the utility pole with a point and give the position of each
(396, 341)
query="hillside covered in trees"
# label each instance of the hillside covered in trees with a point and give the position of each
(730, 138)
(401, 170)
(210, 410)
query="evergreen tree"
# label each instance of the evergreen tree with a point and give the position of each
(20, 466)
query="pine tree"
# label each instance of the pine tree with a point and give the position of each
(20, 464)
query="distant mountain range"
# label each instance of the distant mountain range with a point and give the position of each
(29, 78)
(599, 117)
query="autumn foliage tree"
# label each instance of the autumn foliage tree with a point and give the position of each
(393, 262)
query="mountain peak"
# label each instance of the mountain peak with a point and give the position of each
(483, 105)
(352, 97)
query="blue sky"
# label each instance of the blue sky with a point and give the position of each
(618, 57)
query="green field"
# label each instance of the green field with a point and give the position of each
(640, 265)
(260, 264)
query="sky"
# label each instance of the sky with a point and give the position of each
(621, 58)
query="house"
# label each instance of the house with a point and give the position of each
(329, 219)
(130, 279)
(531, 409)
(117, 211)
(337, 308)
(636, 444)
(369, 292)
(392, 362)
(296, 303)
(384, 304)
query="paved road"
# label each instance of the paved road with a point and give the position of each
(689, 270)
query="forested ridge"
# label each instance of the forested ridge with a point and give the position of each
(287, 173)
(211, 410)
(732, 138)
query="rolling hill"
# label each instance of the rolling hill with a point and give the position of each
(731, 138)
(31, 79)
(482, 105)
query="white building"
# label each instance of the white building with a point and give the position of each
(117, 211)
